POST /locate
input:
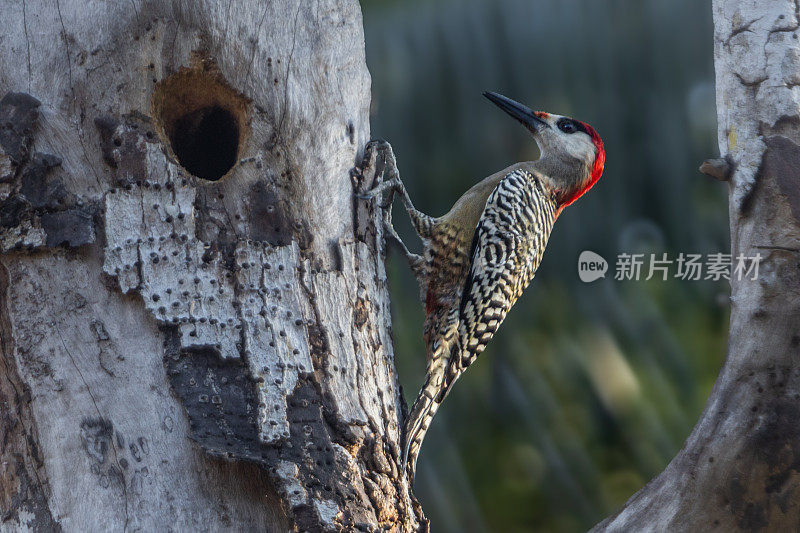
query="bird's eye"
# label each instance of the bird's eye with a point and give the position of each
(567, 126)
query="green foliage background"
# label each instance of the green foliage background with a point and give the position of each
(588, 390)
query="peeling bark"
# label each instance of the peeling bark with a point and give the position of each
(196, 326)
(739, 470)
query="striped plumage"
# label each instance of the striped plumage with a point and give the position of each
(507, 247)
(481, 254)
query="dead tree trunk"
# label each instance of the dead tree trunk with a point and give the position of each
(194, 317)
(740, 467)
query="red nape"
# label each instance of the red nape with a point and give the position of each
(597, 166)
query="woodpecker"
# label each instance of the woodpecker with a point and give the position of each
(481, 255)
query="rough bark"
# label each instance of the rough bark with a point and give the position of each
(740, 467)
(194, 316)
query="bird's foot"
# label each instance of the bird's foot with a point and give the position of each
(379, 156)
(380, 163)
(391, 186)
(415, 261)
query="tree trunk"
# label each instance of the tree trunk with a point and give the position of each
(193, 309)
(740, 467)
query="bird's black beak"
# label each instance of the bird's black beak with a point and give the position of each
(520, 112)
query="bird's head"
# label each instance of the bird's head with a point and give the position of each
(572, 152)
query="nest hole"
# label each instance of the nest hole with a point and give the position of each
(206, 142)
(202, 120)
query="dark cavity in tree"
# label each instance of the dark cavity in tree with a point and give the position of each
(206, 141)
(203, 120)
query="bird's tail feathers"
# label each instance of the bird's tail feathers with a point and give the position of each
(419, 420)
(437, 384)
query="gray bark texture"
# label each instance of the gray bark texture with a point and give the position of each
(194, 321)
(739, 470)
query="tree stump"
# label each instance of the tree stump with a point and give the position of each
(195, 323)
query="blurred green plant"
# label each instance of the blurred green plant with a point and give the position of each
(588, 390)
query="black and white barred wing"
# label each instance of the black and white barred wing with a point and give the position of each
(507, 249)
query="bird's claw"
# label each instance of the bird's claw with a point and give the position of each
(377, 144)
(391, 185)
(379, 153)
